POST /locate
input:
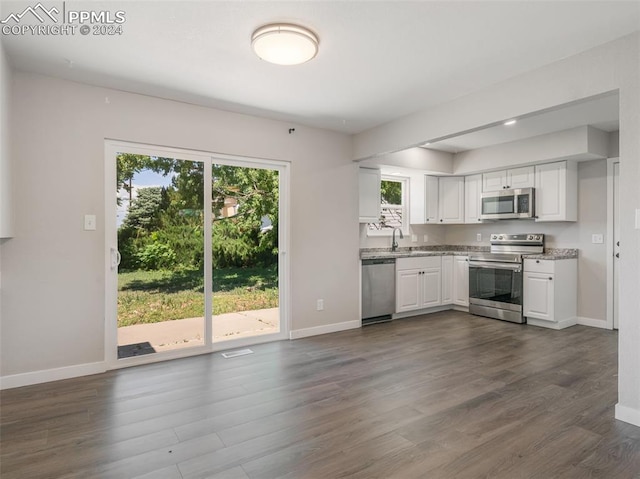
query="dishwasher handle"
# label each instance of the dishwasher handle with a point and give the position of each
(368, 262)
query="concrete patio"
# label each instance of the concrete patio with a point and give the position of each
(181, 333)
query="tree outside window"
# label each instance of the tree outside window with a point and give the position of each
(393, 210)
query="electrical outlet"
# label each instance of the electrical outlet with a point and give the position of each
(425, 238)
(597, 239)
(320, 305)
(479, 237)
(414, 238)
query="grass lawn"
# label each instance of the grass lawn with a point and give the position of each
(156, 296)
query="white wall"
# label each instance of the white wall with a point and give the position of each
(609, 67)
(6, 223)
(53, 271)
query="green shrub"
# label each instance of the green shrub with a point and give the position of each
(156, 255)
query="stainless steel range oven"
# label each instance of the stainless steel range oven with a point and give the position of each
(495, 278)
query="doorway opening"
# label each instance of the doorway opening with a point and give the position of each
(196, 257)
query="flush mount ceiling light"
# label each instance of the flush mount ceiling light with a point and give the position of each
(284, 44)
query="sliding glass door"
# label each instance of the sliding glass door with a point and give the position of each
(195, 258)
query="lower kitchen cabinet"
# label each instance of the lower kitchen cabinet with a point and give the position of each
(550, 292)
(460, 281)
(418, 283)
(447, 279)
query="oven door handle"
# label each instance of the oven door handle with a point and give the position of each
(490, 265)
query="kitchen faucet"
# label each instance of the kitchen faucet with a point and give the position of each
(394, 243)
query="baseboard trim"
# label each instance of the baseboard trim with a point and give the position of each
(326, 329)
(562, 324)
(48, 375)
(627, 414)
(420, 312)
(594, 323)
(464, 309)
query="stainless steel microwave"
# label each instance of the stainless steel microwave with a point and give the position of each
(508, 204)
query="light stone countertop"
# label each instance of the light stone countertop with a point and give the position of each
(553, 254)
(550, 254)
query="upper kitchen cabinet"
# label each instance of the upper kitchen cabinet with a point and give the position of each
(369, 191)
(431, 185)
(451, 199)
(509, 179)
(556, 191)
(443, 200)
(472, 198)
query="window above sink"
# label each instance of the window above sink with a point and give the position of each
(394, 206)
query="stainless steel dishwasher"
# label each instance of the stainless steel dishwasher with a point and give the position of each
(378, 290)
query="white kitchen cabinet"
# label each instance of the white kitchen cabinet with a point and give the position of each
(369, 192)
(472, 198)
(550, 292)
(447, 280)
(408, 289)
(444, 199)
(557, 191)
(460, 281)
(451, 199)
(418, 283)
(513, 178)
(431, 184)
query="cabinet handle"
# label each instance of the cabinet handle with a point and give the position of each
(479, 219)
(550, 278)
(617, 255)
(440, 221)
(538, 261)
(427, 219)
(618, 243)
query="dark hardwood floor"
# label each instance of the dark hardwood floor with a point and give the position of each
(444, 396)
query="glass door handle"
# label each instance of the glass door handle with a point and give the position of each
(116, 257)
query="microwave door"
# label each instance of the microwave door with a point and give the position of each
(496, 207)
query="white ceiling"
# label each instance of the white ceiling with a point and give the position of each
(378, 60)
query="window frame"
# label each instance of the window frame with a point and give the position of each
(404, 180)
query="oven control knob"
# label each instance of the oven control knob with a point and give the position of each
(494, 237)
(500, 237)
(530, 237)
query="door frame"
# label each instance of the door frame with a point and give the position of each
(610, 247)
(112, 147)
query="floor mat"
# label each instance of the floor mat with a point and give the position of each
(138, 349)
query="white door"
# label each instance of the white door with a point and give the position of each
(472, 198)
(447, 279)
(431, 199)
(521, 177)
(408, 290)
(369, 193)
(451, 199)
(538, 296)
(494, 180)
(431, 287)
(461, 281)
(551, 191)
(616, 241)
